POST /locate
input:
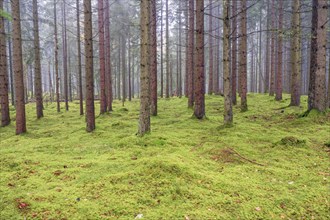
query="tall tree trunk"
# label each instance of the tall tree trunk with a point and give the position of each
(153, 57)
(90, 108)
(167, 92)
(37, 65)
(272, 53)
(4, 101)
(228, 112)
(123, 62)
(260, 52)
(81, 102)
(65, 59)
(161, 52)
(199, 108)
(211, 73)
(119, 68)
(234, 54)
(51, 92)
(217, 74)
(191, 55)
(317, 88)
(279, 74)
(18, 68)
(243, 57)
(103, 98)
(187, 51)
(180, 52)
(109, 93)
(267, 64)
(144, 120)
(57, 78)
(12, 90)
(129, 66)
(296, 55)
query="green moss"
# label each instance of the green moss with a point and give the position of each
(182, 169)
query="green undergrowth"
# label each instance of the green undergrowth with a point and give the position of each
(271, 164)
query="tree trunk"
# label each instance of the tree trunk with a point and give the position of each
(144, 120)
(228, 112)
(123, 62)
(296, 55)
(317, 90)
(103, 98)
(199, 108)
(267, 64)
(153, 57)
(272, 53)
(90, 108)
(210, 51)
(129, 67)
(18, 68)
(279, 74)
(51, 93)
(65, 59)
(81, 102)
(12, 90)
(191, 55)
(37, 65)
(4, 102)
(161, 52)
(243, 57)
(167, 92)
(108, 75)
(57, 78)
(234, 54)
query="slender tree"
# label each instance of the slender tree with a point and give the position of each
(4, 101)
(90, 108)
(37, 65)
(228, 112)
(234, 54)
(57, 78)
(211, 73)
(108, 75)
(167, 89)
(296, 55)
(153, 57)
(279, 74)
(81, 102)
(161, 52)
(103, 99)
(243, 57)
(191, 55)
(65, 58)
(199, 108)
(272, 52)
(144, 120)
(18, 68)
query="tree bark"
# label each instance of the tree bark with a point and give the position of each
(90, 108)
(167, 92)
(199, 108)
(123, 62)
(57, 78)
(65, 59)
(243, 57)
(18, 68)
(144, 119)
(4, 101)
(296, 55)
(153, 57)
(81, 102)
(228, 112)
(161, 52)
(211, 73)
(279, 74)
(272, 53)
(234, 54)
(191, 55)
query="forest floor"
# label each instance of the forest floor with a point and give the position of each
(272, 164)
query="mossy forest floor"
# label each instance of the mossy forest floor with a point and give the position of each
(272, 164)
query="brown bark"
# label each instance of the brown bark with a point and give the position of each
(129, 67)
(153, 57)
(161, 53)
(144, 119)
(228, 112)
(272, 53)
(234, 54)
(267, 64)
(191, 55)
(50, 83)
(81, 102)
(167, 92)
(37, 65)
(57, 78)
(317, 91)
(103, 98)
(279, 73)
(4, 101)
(210, 51)
(18, 68)
(243, 57)
(199, 108)
(65, 59)
(90, 108)
(123, 62)
(109, 93)
(296, 55)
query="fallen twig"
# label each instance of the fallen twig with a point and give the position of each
(244, 158)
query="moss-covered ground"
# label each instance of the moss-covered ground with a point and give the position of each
(272, 164)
